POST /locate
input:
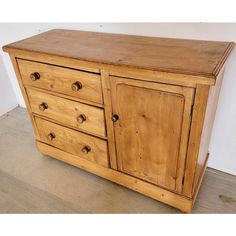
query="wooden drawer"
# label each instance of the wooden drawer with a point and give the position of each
(86, 85)
(72, 141)
(84, 117)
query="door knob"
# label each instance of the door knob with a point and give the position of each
(86, 149)
(51, 136)
(81, 118)
(34, 76)
(76, 86)
(43, 106)
(115, 117)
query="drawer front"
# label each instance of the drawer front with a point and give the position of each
(83, 85)
(84, 117)
(72, 141)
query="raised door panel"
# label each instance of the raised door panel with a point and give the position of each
(152, 130)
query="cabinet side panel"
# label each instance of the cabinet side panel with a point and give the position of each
(207, 128)
(23, 91)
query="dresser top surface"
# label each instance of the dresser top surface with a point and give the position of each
(194, 57)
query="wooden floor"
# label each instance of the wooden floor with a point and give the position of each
(33, 183)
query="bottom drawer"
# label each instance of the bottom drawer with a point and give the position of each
(74, 142)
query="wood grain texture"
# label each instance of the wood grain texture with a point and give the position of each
(65, 96)
(116, 70)
(199, 109)
(73, 141)
(23, 91)
(152, 130)
(207, 127)
(106, 87)
(163, 54)
(68, 111)
(60, 80)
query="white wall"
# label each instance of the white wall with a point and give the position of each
(223, 142)
(7, 97)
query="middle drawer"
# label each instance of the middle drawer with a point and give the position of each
(82, 116)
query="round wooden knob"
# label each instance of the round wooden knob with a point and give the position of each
(51, 136)
(76, 86)
(81, 118)
(86, 149)
(115, 118)
(34, 76)
(43, 106)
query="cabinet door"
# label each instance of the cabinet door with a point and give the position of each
(152, 129)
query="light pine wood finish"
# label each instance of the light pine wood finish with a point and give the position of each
(73, 141)
(60, 80)
(68, 112)
(207, 128)
(108, 115)
(65, 96)
(152, 53)
(198, 115)
(129, 72)
(23, 91)
(152, 129)
(151, 101)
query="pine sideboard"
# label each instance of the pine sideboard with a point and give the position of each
(132, 109)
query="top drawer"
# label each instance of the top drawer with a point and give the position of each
(83, 85)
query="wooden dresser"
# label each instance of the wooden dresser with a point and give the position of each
(135, 110)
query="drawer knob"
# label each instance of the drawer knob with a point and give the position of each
(51, 136)
(43, 106)
(115, 118)
(34, 76)
(76, 86)
(81, 118)
(86, 149)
